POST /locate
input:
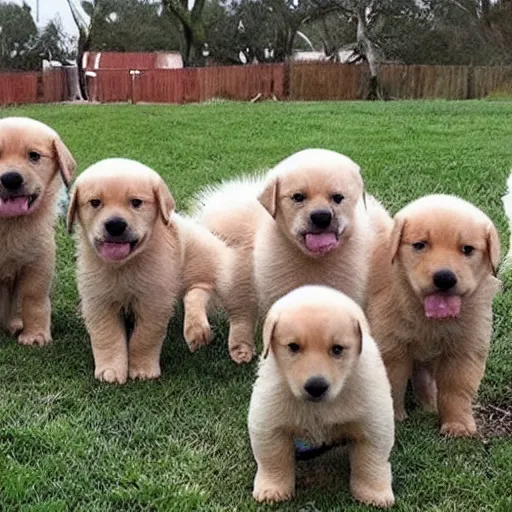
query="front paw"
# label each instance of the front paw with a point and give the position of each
(111, 374)
(241, 353)
(144, 371)
(34, 338)
(459, 429)
(270, 492)
(197, 333)
(368, 495)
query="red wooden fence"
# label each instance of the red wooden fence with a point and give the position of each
(297, 81)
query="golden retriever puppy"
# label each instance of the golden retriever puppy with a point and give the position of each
(430, 305)
(137, 257)
(307, 221)
(34, 163)
(321, 378)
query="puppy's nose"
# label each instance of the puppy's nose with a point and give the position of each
(116, 226)
(321, 218)
(445, 279)
(11, 180)
(316, 387)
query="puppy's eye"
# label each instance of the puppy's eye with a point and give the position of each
(136, 203)
(338, 198)
(298, 197)
(293, 347)
(337, 350)
(467, 250)
(419, 246)
(34, 157)
(95, 203)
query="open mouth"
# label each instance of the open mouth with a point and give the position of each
(116, 251)
(15, 206)
(321, 243)
(441, 306)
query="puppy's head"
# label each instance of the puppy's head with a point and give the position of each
(31, 157)
(444, 247)
(315, 334)
(117, 203)
(313, 196)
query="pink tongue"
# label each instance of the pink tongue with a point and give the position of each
(14, 206)
(321, 243)
(441, 306)
(115, 252)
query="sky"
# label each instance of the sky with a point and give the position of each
(48, 9)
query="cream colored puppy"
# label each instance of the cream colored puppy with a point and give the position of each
(137, 257)
(321, 378)
(307, 221)
(34, 163)
(430, 305)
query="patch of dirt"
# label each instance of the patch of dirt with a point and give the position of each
(495, 420)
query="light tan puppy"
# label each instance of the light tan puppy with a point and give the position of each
(321, 377)
(430, 305)
(307, 221)
(135, 256)
(33, 164)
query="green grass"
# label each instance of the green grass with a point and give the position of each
(68, 442)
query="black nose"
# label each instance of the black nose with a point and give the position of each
(116, 226)
(321, 218)
(12, 180)
(445, 279)
(316, 387)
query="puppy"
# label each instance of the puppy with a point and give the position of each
(34, 163)
(307, 221)
(430, 305)
(321, 377)
(137, 257)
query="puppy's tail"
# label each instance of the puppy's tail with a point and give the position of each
(231, 210)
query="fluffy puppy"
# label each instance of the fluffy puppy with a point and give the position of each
(321, 377)
(430, 305)
(137, 257)
(33, 164)
(307, 221)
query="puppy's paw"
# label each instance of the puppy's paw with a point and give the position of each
(111, 375)
(241, 353)
(197, 333)
(34, 338)
(459, 429)
(268, 492)
(15, 326)
(377, 497)
(144, 371)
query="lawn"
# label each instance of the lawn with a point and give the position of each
(68, 442)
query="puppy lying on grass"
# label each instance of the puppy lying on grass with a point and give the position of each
(137, 257)
(34, 163)
(430, 305)
(321, 377)
(308, 223)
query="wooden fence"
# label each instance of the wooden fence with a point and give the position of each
(296, 82)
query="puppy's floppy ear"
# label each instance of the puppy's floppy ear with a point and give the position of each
(268, 198)
(359, 331)
(67, 164)
(165, 201)
(268, 332)
(73, 203)
(493, 248)
(396, 237)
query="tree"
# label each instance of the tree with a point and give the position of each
(53, 44)
(18, 34)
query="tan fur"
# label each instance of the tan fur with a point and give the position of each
(261, 213)
(445, 357)
(27, 258)
(357, 405)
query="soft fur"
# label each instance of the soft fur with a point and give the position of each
(443, 347)
(301, 333)
(168, 257)
(35, 152)
(272, 214)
